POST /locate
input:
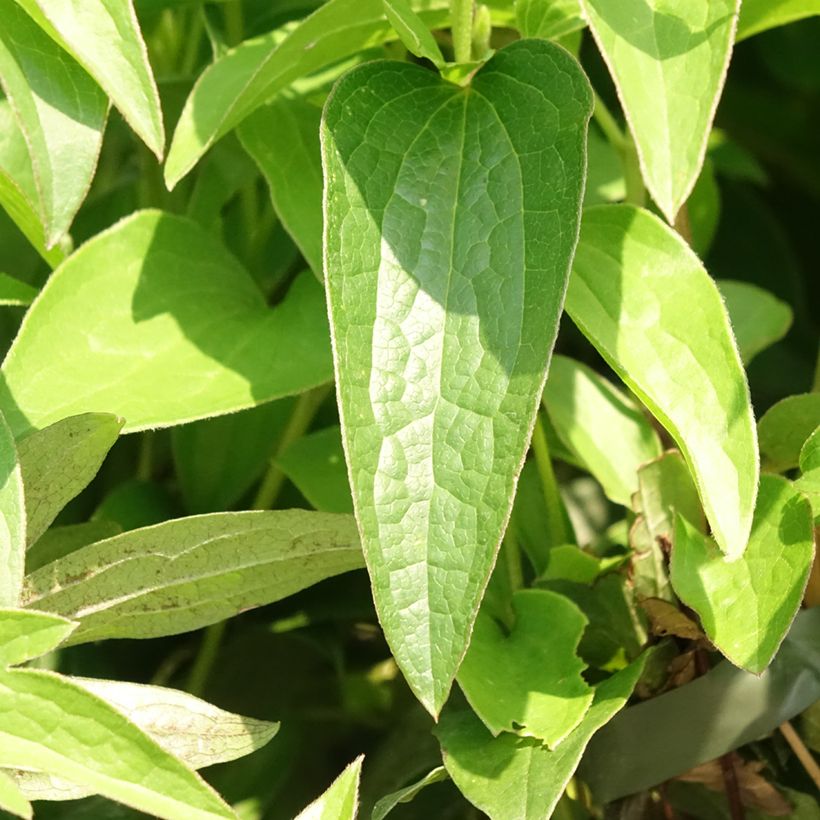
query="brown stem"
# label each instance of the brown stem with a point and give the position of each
(802, 753)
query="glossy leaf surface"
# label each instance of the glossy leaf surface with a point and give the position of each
(158, 324)
(746, 606)
(446, 208)
(668, 61)
(632, 275)
(186, 573)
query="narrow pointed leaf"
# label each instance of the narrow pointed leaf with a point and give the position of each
(62, 119)
(746, 606)
(12, 521)
(190, 572)
(785, 428)
(14, 292)
(157, 323)
(600, 425)
(641, 296)
(760, 15)
(27, 634)
(758, 318)
(668, 61)
(57, 542)
(548, 18)
(511, 776)
(412, 31)
(52, 724)
(59, 462)
(389, 802)
(341, 800)
(104, 37)
(528, 681)
(450, 223)
(283, 139)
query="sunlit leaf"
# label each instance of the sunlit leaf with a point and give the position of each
(809, 481)
(548, 18)
(785, 428)
(412, 31)
(387, 803)
(341, 800)
(27, 634)
(57, 542)
(760, 15)
(12, 799)
(12, 520)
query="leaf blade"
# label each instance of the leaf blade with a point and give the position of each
(26, 635)
(12, 520)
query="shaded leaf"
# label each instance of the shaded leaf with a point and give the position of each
(747, 605)
(157, 323)
(666, 619)
(25, 635)
(603, 427)
(412, 31)
(760, 15)
(105, 39)
(511, 776)
(60, 461)
(186, 573)
(528, 680)
(548, 18)
(668, 63)
(57, 542)
(631, 277)
(437, 396)
(784, 429)
(384, 806)
(15, 292)
(341, 800)
(60, 110)
(12, 521)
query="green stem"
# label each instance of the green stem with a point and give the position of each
(193, 38)
(603, 116)
(306, 407)
(635, 189)
(552, 497)
(234, 24)
(206, 657)
(461, 17)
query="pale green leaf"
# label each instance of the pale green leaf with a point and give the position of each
(157, 323)
(809, 481)
(446, 210)
(12, 521)
(59, 462)
(600, 425)
(15, 292)
(668, 61)
(785, 428)
(63, 118)
(341, 800)
(568, 562)
(12, 799)
(54, 725)
(758, 318)
(746, 606)
(412, 31)
(27, 634)
(528, 679)
(548, 18)
(283, 139)
(389, 802)
(186, 573)
(642, 297)
(316, 465)
(760, 15)
(605, 171)
(251, 74)
(57, 542)
(514, 777)
(17, 189)
(104, 37)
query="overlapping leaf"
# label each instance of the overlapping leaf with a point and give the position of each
(27, 634)
(450, 220)
(760, 15)
(12, 521)
(548, 18)
(784, 429)
(643, 299)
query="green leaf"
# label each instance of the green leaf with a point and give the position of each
(528, 680)
(17, 188)
(809, 481)
(316, 465)
(251, 74)
(52, 724)
(668, 61)
(641, 296)
(12, 799)
(758, 318)
(785, 428)
(12, 521)
(387, 803)
(760, 15)
(444, 212)
(714, 714)
(62, 119)
(157, 323)
(14, 292)
(511, 776)
(412, 31)
(190, 572)
(341, 800)
(60, 541)
(25, 635)
(105, 38)
(746, 606)
(548, 18)
(59, 462)
(283, 139)
(600, 425)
